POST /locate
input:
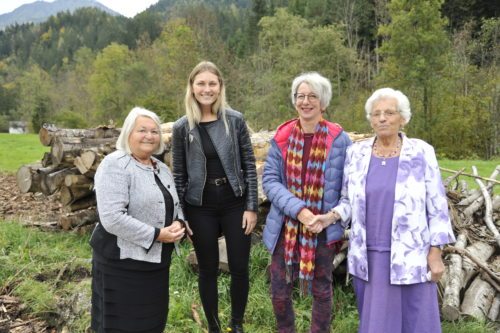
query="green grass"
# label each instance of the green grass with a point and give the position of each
(484, 169)
(32, 260)
(19, 149)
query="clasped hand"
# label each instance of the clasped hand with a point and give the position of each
(316, 223)
(173, 232)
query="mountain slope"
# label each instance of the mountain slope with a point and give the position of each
(40, 11)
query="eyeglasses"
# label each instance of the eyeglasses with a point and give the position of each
(302, 97)
(387, 113)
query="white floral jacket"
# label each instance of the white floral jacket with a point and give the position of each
(420, 216)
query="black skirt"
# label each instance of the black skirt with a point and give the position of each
(130, 295)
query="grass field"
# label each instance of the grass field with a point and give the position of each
(19, 149)
(31, 261)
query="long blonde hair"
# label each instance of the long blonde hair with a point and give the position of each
(193, 111)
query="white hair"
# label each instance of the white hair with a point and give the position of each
(319, 84)
(128, 126)
(403, 104)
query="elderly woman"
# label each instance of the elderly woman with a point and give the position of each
(140, 219)
(393, 195)
(215, 175)
(302, 180)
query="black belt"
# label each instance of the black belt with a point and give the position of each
(217, 181)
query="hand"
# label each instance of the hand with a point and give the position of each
(172, 233)
(249, 221)
(320, 222)
(305, 216)
(435, 263)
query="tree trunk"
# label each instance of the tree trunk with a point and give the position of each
(451, 299)
(47, 134)
(28, 179)
(67, 150)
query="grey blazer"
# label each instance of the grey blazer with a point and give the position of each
(131, 205)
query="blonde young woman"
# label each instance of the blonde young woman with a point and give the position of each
(215, 176)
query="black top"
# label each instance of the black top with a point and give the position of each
(214, 165)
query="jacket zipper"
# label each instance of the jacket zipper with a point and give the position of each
(205, 164)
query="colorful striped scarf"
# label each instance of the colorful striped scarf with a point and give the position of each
(300, 244)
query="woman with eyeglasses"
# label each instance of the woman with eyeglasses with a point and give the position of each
(394, 198)
(140, 219)
(302, 179)
(216, 178)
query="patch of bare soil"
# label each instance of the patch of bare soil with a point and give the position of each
(32, 209)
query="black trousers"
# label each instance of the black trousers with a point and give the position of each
(221, 213)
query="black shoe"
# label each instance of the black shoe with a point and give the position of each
(236, 328)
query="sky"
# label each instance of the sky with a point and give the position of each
(127, 8)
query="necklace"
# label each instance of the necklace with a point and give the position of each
(392, 153)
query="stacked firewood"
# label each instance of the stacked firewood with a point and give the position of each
(471, 285)
(68, 169)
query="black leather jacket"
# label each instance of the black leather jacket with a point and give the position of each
(235, 153)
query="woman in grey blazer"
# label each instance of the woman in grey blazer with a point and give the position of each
(140, 219)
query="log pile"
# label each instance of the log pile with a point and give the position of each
(471, 284)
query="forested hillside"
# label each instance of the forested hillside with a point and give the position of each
(88, 67)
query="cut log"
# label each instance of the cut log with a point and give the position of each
(63, 150)
(47, 134)
(482, 252)
(223, 263)
(81, 204)
(53, 180)
(71, 179)
(451, 300)
(72, 193)
(495, 308)
(28, 179)
(477, 299)
(87, 162)
(78, 219)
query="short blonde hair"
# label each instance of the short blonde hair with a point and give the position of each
(403, 103)
(128, 126)
(193, 111)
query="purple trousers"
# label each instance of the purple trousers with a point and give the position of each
(281, 291)
(384, 307)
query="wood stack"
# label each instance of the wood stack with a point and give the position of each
(68, 169)
(471, 285)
